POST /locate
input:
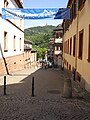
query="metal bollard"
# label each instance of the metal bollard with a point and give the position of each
(32, 86)
(67, 92)
(4, 85)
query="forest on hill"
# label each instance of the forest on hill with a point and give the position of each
(40, 37)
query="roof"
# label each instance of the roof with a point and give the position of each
(27, 41)
(59, 27)
(69, 3)
(33, 51)
(19, 3)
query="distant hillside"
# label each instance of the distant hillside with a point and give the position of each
(39, 30)
(39, 36)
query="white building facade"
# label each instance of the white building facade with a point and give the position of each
(11, 39)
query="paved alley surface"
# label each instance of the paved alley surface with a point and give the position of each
(48, 103)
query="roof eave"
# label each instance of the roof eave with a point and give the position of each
(19, 3)
(69, 3)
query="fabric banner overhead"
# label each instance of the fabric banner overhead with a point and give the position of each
(63, 13)
(44, 13)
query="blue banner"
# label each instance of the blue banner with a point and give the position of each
(44, 13)
(63, 13)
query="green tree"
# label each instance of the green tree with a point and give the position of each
(40, 37)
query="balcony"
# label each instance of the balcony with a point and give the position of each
(57, 52)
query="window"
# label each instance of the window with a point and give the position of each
(5, 42)
(74, 8)
(71, 12)
(89, 46)
(69, 67)
(70, 46)
(59, 48)
(74, 45)
(57, 35)
(55, 48)
(20, 43)
(6, 4)
(66, 46)
(14, 43)
(81, 4)
(80, 44)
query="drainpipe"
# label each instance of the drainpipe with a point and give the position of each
(62, 61)
(76, 42)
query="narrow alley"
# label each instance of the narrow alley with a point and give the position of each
(48, 102)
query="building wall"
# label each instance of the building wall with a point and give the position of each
(11, 31)
(14, 58)
(83, 65)
(13, 63)
(27, 59)
(33, 57)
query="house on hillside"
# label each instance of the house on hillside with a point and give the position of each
(76, 45)
(11, 40)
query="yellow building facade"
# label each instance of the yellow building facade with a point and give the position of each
(76, 41)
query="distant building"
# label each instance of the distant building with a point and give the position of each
(58, 33)
(76, 45)
(54, 52)
(11, 40)
(33, 57)
(30, 55)
(27, 53)
(50, 51)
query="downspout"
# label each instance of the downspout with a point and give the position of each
(63, 48)
(76, 42)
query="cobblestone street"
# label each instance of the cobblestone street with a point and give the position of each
(48, 102)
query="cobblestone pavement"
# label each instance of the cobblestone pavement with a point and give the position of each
(47, 104)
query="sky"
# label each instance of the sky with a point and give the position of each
(43, 4)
